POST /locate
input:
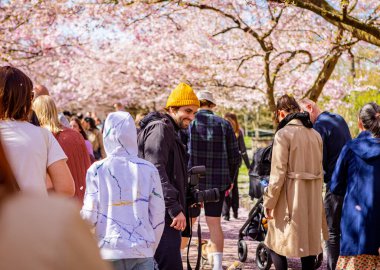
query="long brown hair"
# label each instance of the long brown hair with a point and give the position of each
(232, 118)
(15, 94)
(288, 104)
(81, 130)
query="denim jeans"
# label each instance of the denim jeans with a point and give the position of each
(133, 264)
(231, 201)
(333, 208)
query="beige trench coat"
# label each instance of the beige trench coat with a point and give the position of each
(295, 192)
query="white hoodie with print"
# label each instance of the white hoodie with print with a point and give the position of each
(123, 198)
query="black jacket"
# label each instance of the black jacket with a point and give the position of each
(159, 142)
(242, 150)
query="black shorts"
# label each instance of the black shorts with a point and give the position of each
(212, 209)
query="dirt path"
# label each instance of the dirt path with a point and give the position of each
(231, 232)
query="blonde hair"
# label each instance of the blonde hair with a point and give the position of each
(47, 114)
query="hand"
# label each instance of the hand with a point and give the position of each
(231, 187)
(268, 213)
(179, 222)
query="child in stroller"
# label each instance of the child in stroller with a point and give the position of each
(256, 225)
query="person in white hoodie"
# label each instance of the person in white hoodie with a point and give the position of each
(123, 199)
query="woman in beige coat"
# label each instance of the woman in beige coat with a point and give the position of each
(293, 199)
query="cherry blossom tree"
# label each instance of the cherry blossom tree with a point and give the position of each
(93, 53)
(360, 18)
(272, 47)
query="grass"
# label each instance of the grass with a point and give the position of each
(243, 179)
(248, 142)
(243, 171)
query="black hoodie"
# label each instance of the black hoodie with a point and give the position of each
(159, 143)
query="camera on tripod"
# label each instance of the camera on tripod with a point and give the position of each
(194, 195)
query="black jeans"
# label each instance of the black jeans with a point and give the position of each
(168, 254)
(333, 208)
(280, 262)
(232, 200)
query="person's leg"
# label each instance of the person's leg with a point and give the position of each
(226, 208)
(333, 208)
(308, 263)
(279, 261)
(216, 244)
(143, 264)
(235, 199)
(122, 264)
(168, 254)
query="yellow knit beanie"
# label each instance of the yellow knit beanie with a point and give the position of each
(182, 95)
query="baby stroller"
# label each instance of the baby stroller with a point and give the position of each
(255, 227)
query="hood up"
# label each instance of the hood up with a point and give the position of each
(366, 147)
(120, 135)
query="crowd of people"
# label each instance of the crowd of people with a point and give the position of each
(130, 179)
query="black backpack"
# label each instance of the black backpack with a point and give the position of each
(259, 169)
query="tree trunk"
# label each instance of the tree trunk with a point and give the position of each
(270, 86)
(324, 75)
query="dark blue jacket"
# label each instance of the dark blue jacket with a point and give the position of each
(364, 133)
(357, 178)
(335, 134)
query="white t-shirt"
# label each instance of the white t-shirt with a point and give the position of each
(30, 150)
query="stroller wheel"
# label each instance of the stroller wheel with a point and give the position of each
(319, 260)
(242, 250)
(263, 259)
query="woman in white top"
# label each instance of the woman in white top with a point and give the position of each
(33, 152)
(55, 236)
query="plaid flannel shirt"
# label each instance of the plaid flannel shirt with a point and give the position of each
(212, 143)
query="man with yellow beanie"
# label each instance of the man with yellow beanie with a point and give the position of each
(159, 143)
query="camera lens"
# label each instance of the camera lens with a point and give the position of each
(208, 195)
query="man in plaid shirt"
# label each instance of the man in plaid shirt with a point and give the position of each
(212, 143)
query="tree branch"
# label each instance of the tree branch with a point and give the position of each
(357, 28)
(219, 84)
(353, 69)
(246, 58)
(225, 30)
(276, 20)
(287, 60)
